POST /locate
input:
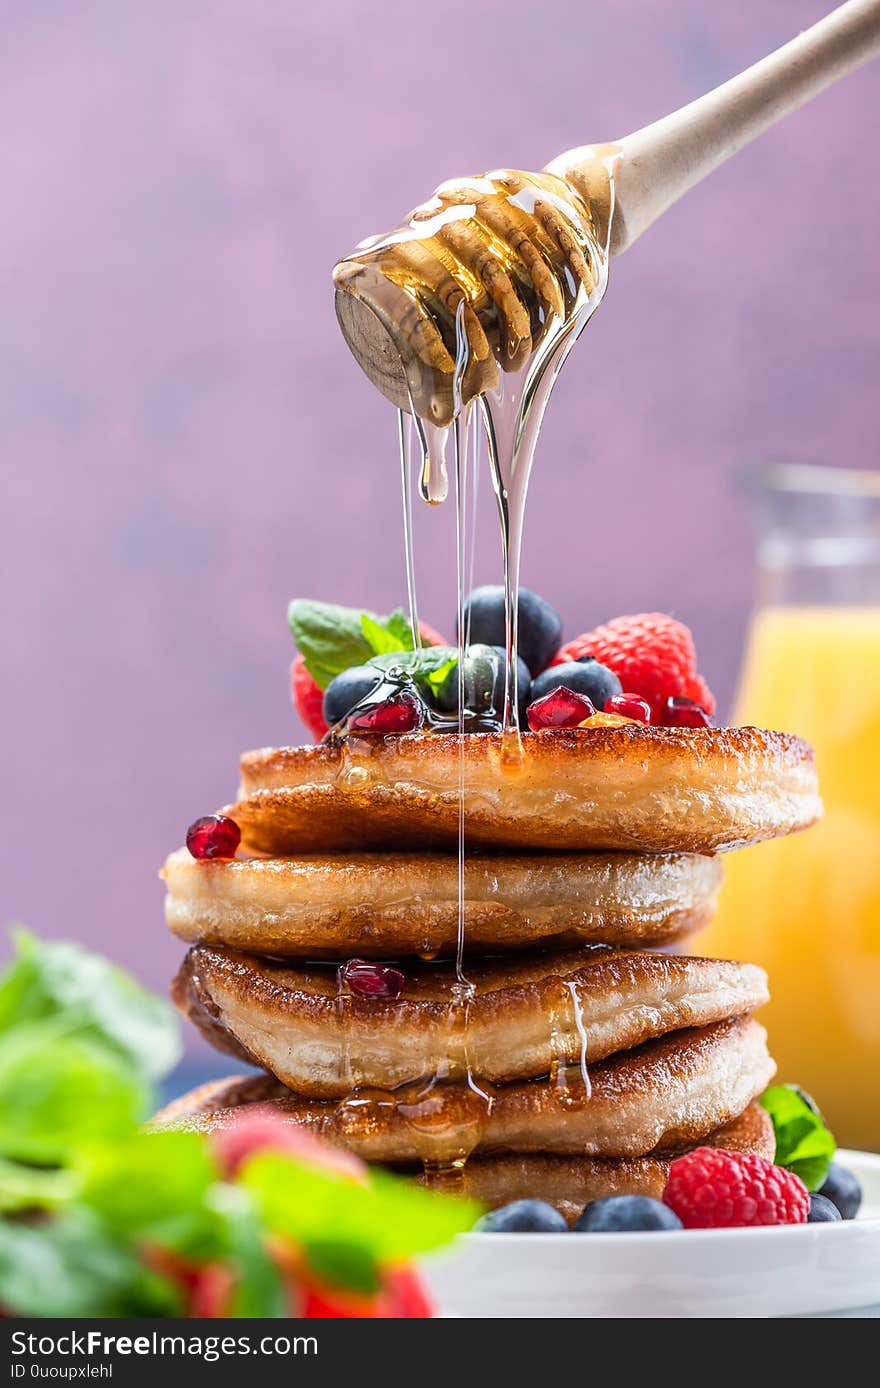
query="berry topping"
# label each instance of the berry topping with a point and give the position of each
(539, 626)
(715, 1189)
(308, 699)
(561, 708)
(684, 713)
(629, 706)
(402, 713)
(607, 720)
(822, 1211)
(652, 654)
(485, 678)
(522, 1217)
(213, 836)
(843, 1189)
(262, 1130)
(596, 682)
(348, 690)
(370, 980)
(619, 1214)
(407, 1293)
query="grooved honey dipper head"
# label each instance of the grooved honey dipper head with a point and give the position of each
(468, 288)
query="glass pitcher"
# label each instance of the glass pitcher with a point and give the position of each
(808, 907)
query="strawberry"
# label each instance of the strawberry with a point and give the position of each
(262, 1130)
(308, 698)
(652, 655)
(408, 1294)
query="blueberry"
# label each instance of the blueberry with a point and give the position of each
(843, 1189)
(522, 1217)
(539, 629)
(617, 1214)
(822, 1211)
(583, 676)
(347, 690)
(485, 672)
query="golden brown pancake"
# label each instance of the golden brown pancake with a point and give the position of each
(570, 1182)
(668, 1093)
(528, 1013)
(654, 790)
(376, 905)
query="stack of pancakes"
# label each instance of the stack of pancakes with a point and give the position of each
(575, 1050)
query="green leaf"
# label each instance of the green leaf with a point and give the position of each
(803, 1143)
(330, 638)
(346, 1265)
(156, 1185)
(377, 637)
(54, 979)
(431, 665)
(387, 1217)
(398, 626)
(333, 638)
(34, 1187)
(60, 1092)
(259, 1286)
(70, 1267)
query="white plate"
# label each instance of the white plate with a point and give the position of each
(807, 1269)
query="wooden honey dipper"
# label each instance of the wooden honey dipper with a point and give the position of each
(469, 285)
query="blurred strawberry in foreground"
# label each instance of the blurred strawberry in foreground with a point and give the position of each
(653, 656)
(261, 1130)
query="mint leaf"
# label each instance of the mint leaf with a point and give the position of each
(259, 1287)
(803, 1143)
(343, 1265)
(398, 626)
(387, 1217)
(92, 997)
(59, 1092)
(71, 1267)
(331, 638)
(429, 665)
(34, 1187)
(378, 637)
(155, 1185)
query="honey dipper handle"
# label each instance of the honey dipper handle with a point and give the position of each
(657, 165)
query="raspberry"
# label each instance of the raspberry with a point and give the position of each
(652, 655)
(715, 1189)
(308, 698)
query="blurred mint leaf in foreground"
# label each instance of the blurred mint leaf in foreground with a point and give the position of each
(803, 1143)
(91, 998)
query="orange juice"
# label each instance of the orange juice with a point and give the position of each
(808, 907)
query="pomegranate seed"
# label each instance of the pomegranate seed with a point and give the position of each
(213, 836)
(629, 706)
(561, 708)
(684, 713)
(371, 980)
(401, 713)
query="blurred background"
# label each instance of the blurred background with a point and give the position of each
(188, 444)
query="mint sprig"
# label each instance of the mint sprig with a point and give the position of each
(331, 638)
(90, 1201)
(88, 997)
(803, 1143)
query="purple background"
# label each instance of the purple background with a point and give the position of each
(188, 443)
